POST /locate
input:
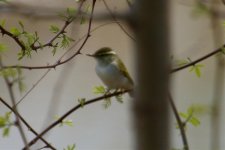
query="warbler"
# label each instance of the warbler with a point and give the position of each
(111, 70)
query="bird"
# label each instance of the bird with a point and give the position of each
(112, 71)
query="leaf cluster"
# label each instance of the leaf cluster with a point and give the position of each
(5, 124)
(104, 91)
(70, 147)
(191, 115)
(67, 122)
(194, 68)
(15, 76)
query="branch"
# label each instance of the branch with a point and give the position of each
(56, 63)
(198, 60)
(12, 97)
(59, 62)
(25, 122)
(66, 24)
(78, 52)
(72, 111)
(50, 43)
(15, 38)
(114, 18)
(179, 122)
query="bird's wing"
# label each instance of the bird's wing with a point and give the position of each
(124, 71)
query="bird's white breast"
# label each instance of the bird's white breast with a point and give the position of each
(112, 77)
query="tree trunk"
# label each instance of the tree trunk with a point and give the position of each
(151, 104)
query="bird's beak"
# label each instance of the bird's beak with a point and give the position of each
(90, 55)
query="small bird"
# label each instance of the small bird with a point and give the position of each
(111, 70)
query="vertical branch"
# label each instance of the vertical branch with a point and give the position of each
(151, 104)
(119, 24)
(80, 48)
(219, 81)
(179, 122)
(25, 123)
(12, 97)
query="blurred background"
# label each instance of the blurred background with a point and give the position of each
(97, 128)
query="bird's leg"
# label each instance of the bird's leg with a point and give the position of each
(107, 91)
(107, 100)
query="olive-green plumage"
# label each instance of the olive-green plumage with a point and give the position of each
(112, 70)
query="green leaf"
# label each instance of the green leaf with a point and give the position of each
(189, 117)
(15, 31)
(72, 147)
(30, 39)
(199, 109)
(197, 69)
(107, 103)
(9, 72)
(2, 122)
(182, 62)
(82, 102)
(66, 41)
(68, 122)
(3, 48)
(21, 86)
(99, 90)
(119, 98)
(71, 11)
(21, 25)
(54, 29)
(183, 115)
(54, 50)
(6, 132)
(200, 9)
(2, 23)
(83, 20)
(20, 55)
(4, 1)
(8, 115)
(223, 48)
(194, 121)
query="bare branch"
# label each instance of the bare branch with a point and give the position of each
(72, 111)
(15, 38)
(119, 24)
(57, 62)
(179, 122)
(198, 60)
(11, 94)
(25, 122)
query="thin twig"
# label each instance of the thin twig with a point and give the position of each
(72, 111)
(12, 97)
(66, 24)
(198, 60)
(179, 122)
(119, 24)
(57, 62)
(50, 43)
(34, 85)
(25, 122)
(15, 38)
(78, 52)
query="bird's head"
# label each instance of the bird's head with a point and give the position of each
(104, 54)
